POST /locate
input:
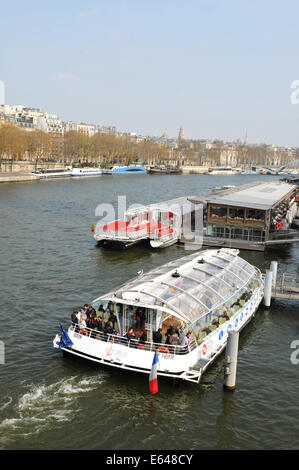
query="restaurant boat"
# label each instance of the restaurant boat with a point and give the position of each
(251, 217)
(208, 293)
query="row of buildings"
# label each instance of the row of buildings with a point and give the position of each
(33, 118)
(181, 151)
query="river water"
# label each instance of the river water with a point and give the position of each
(50, 265)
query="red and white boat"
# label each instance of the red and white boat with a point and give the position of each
(160, 224)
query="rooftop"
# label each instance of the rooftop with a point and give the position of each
(190, 287)
(260, 195)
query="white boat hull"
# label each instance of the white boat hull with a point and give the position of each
(163, 243)
(189, 367)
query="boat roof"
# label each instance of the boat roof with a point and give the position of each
(190, 287)
(179, 206)
(259, 195)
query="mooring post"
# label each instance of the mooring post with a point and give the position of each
(273, 268)
(231, 359)
(268, 288)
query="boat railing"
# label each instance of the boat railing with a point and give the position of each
(288, 282)
(121, 234)
(134, 343)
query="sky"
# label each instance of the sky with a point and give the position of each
(150, 66)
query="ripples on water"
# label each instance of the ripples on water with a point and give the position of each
(50, 265)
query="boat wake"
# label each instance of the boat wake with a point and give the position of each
(44, 407)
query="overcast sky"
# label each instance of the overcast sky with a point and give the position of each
(149, 66)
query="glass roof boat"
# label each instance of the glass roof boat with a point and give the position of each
(208, 293)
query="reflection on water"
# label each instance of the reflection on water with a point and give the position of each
(50, 265)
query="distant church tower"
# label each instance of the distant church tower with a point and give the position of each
(181, 134)
(246, 138)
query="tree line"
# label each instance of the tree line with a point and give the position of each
(104, 149)
(108, 149)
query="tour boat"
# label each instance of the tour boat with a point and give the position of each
(164, 237)
(222, 171)
(132, 169)
(82, 172)
(57, 173)
(161, 224)
(209, 293)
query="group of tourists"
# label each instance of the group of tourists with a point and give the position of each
(87, 318)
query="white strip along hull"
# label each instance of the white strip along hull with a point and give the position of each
(188, 366)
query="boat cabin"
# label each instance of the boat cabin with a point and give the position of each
(250, 215)
(198, 293)
(207, 293)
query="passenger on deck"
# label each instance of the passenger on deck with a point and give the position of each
(82, 323)
(91, 321)
(75, 320)
(99, 324)
(157, 336)
(130, 334)
(187, 339)
(101, 310)
(90, 312)
(109, 329)
(143, 337)
(174, 337)
(113, 320)
(85, 309)
(140, 318)
(168, 333)
(81, 313)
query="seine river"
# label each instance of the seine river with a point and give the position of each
(51, 265)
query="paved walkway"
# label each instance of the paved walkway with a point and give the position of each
(17, 177)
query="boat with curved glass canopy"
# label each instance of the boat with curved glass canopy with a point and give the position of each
(208, 293)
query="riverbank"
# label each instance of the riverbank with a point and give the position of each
(17, 177)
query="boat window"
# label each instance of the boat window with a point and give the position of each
(200, 275)
(221, 262)
(164, 292)
(255, 214)
(218, 211)
(209, 298)
(209, 268)
(188, 306)
(187, 284)
(231, 279)
(220, 287)
(236, 213)
(238, 270)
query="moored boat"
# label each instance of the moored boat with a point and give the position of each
(207, 293)
(118, 170)
(85, 172)
(56, 173)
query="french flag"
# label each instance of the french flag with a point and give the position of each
(153, 380)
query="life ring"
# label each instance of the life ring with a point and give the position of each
(279, 225)
(163, 349)
(141, 346)
(85, 332)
